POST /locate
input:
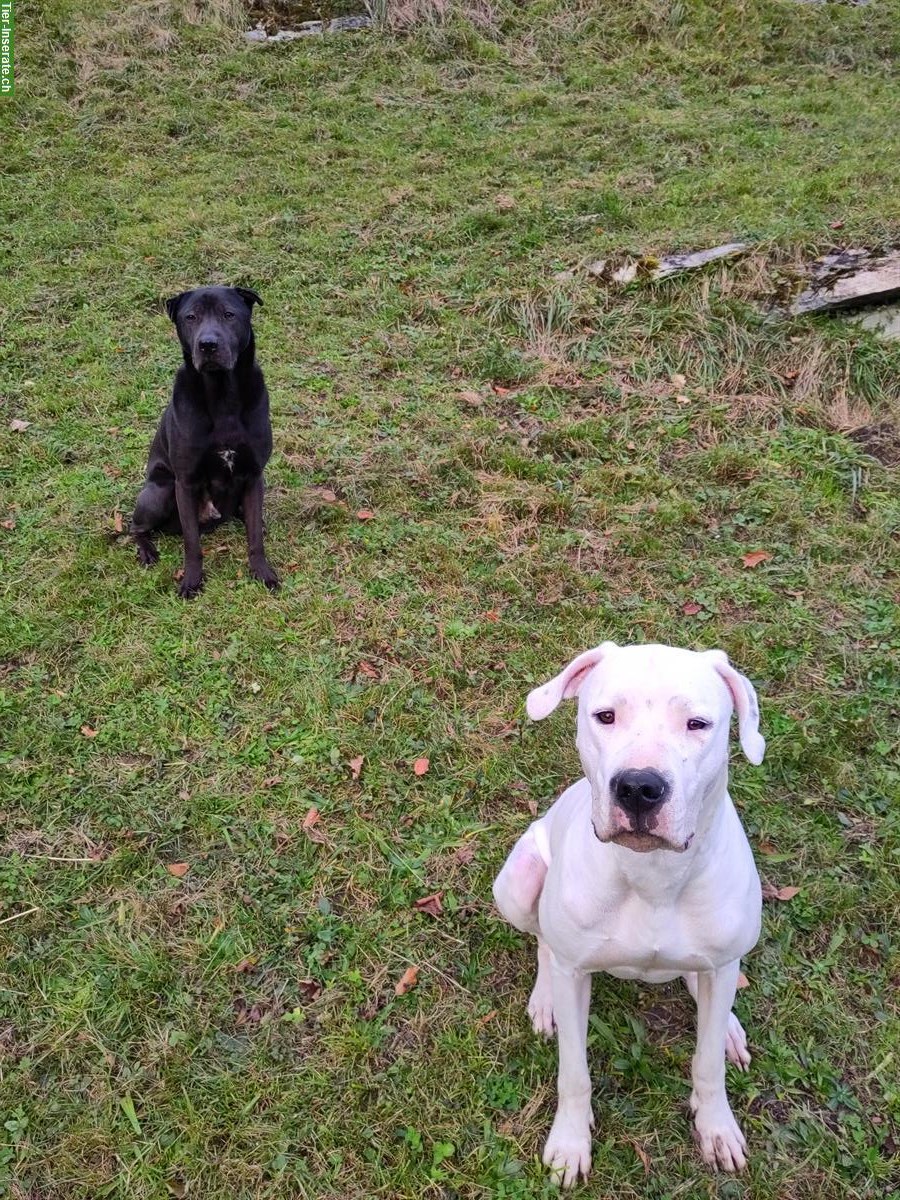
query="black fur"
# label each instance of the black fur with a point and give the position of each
(215, 437)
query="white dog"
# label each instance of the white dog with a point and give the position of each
(641, 869)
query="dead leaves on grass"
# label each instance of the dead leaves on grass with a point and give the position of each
(310, 826)
(179, 870)
(420, 766)
(770, 892)
(755, 557)
(430, 904)
(407, 981)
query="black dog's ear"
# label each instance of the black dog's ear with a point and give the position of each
(173, 305)
(249, 297)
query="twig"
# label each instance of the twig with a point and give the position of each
(15, 916)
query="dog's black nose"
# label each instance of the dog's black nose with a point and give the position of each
(208, 345)
(639, 792)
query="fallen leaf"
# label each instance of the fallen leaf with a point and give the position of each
(482, 1021)
(245, 966)
(504, 202)
(366, 668)
(492, 615)
(465, 854)
(272, 781)
(743, 981)
(691, 608)
(310, 989)
(18, 426)
(420, 766)
(179, 575)
(407, 981)
(9, 524)
(837, 224)
(118, 525)
(787, 893)
(755, 557)
(642, 1155)
(324, 493)
(430, 904)
(532, 807)
(88, 732)
(365, 514)
(356, 766)
(766, 847)
(472, 398)
(681, 399)
(179, 870)
(770, 892)
(500, 391)
(678, 382)
(310, 821)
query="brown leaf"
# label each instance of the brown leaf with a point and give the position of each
(310, 989)
(179, 575)
(682, 399)
(642, 1155)
(465, 854)
(420, 766)
(19, 426)
(755, 557)
(356, 765)
(691, 608)
(769, 892)
(492, 615)
(532, 807)
(472, 398)
(245, 966)
(325, 494)
(430, 904)
(837, 225)
(179, 870)
(743, 981)
(366, 668)
(88, 732)
(678, 381)
(500, 391)
(787, 893)
(488, 1016)
(310, 821)
(118, 525)
(766, 847)
(365, 514)
(407, 981)
(8, 524)
(505, 202)
(272, 781)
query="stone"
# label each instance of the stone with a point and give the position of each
(597, 269)
(850, 279)
(883, 321)
(672, 264)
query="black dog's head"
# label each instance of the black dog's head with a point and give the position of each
(214, 325)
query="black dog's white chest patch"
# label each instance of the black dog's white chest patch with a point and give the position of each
(227, 457)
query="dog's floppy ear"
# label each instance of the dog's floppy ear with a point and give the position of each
(746, 706)
(543, 700)
(249, 297)
(173, 305)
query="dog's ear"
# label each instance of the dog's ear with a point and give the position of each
(173, 305)
(746, 706)
(249, 297)
(543, 700)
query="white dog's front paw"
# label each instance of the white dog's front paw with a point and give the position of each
(736, 1044)
(568, 1150)
(719, 1136)
(540, 1008)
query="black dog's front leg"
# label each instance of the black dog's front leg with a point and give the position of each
(253, 520)
(188, 513)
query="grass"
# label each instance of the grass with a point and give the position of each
(406, 206)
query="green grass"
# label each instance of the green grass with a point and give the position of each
(234, 1033)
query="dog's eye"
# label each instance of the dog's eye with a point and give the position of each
(190, 316)
(698, 723)
(605, 716)
(229, 316)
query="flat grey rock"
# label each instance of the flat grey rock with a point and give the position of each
(885, 322)
(308, 29)
(673, 263)
(850, 279)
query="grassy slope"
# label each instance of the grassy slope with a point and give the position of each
(354, 182)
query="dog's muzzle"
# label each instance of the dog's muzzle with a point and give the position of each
(640, 794)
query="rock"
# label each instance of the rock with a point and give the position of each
(883, 321)
(563, 276)
(673, 263)
(597, 268)
(308, 29)
(850, 279)
(626, 273)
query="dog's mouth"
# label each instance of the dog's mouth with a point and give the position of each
(642, 843)
(207, 364)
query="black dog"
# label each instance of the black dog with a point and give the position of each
(206, 461)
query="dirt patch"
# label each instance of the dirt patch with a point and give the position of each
(881, 440)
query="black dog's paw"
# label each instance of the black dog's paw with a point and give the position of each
(189, 586)
(147, 553)
(264, 573)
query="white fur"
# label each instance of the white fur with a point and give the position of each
(688, 905)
